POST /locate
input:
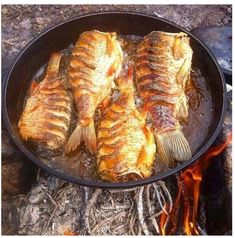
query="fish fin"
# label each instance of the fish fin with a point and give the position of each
(65, 82)
(89, 137)
(184, 73)
(33, 87)
(54, 63)
(183, 108)
(110, 44)
(145, 163)
(172, 145)
(82, 133)
(178, 48)
(111, 71)
(144, 110)
(148, 131)
(104, 103)
(74, 140)
(138, 114)
(116, 67)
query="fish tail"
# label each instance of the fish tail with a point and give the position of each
(89, 137)
(172, 145)
(74, 140)
(84, 134)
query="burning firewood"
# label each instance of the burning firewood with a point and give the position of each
(189, 182)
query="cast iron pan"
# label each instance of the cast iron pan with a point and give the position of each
(37, 53)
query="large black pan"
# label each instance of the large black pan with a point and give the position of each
(37, 53)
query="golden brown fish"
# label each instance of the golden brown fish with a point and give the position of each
(163, 66)
(126, 145)
(96, 59)
(46, 116)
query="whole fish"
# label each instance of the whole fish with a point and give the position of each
(95, 61)
(47, 114)
(162, 68)
(126, 145)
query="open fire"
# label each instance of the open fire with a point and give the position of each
(187, 198)
(55, 207)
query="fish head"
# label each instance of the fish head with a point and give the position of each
(181, 47)
(114, 51)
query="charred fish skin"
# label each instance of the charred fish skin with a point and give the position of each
(163, 67)
(95, 61)
(126, 146)
(47, 113)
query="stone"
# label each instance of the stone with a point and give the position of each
(4, 10)
(10, 218)
(229, 10)
(225, 21)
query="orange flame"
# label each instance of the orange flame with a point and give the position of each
(192, 178)
(173, 216)
(164, 220)
(189, 183)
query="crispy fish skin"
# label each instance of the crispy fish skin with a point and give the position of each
(95, 61)
(163, 66)
(126, 145)
(46, 116)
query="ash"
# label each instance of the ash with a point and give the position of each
(51, 207)
(56, 207)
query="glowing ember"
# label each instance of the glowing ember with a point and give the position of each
(68, 232)
(189, 183)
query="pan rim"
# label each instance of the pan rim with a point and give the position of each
(102, 184)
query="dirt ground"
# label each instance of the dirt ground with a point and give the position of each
(21, 23)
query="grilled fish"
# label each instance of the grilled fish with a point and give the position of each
(95, 61)
(163, 66)
(126, 145)
(46, 116)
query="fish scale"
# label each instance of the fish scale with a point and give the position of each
(163, 66)
(46, 116)
(126, 145)
(96, 60)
